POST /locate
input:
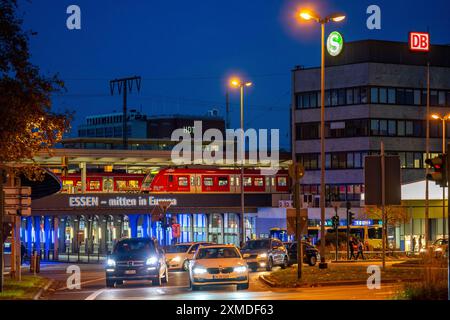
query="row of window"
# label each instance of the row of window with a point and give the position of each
(108, 184)
(375, 95)
(371, 127)
(355, 160)
(105, 120)
(333, 192)
(107, 132)
(183, 181)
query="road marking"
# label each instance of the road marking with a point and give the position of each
(94, 295)
(83, 283)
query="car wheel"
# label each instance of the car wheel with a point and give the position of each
(156, 282)
(269, 265)
(110, 283)
(285, 263)
(243, 286)
(166, 277)
(312, 261)
(186, 265)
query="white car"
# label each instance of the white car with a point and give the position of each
(178, 256)
(218, 265)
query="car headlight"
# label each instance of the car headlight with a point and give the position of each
(110, 263)
(262, 255)
(240, 269)
(199, 270)
(176, 259)
(438, 250)
(151, 261)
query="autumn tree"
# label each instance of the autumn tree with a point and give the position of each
(27, 123)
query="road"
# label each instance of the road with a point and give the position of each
(93, 288)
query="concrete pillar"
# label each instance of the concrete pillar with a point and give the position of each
(83, 177)
(29, 235)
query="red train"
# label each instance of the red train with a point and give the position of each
(214, 181)
(103, 182)
(180, 181)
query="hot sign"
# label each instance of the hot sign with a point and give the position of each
(419, 41)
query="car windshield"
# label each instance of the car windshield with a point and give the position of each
(134, 245)
(217, 253)
(178, 248)
(256, 244)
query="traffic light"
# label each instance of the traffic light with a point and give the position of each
(350, 218)
(439, 165)
(335, 222)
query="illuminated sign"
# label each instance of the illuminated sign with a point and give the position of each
(419, 41)
(335, 43)
(116, 202)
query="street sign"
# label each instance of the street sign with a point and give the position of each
(372, 180)
(285, 204)
(17, 201)
(335, 43)
(419, 41)
(21, 191)
(291, 217)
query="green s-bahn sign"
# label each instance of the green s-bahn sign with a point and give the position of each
(335, 43)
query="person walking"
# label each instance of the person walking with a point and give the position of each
(351, 244)
(360, 250)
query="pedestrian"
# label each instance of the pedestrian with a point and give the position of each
(360, 250)
(413, 248)
(351, 248)
(23, 252)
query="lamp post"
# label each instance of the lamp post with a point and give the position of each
(443, 119)
(237, 83)
(337, 17)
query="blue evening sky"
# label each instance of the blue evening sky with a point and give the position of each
(185, 50)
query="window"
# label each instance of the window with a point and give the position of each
(392, 130)
(358, 163)
(120, 184)
(374, 95)
(433, 98)
(417, 94)
(350, 163)
(357, 96)
(208, 182)
(341, 97)
(232, 181)
(409, 160)
(247, 181)
(441, 98)
(418, 160)
(223, 181)
(282, 181)
(94, 185)
(349, 96)
(374, 127)
(306, 101)
(259, 182)
(409, 97)
(334, 98)
(313, 100)
(383, 95)
(391, 96)
(400, 96)
(409, 128)
(183, 181)
(401, 128)
(133, 184)
(363, 95)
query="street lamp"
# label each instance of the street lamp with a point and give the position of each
(443, 119)
(336, 17)
(238, 83)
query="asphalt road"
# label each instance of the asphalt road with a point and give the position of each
(93, 288)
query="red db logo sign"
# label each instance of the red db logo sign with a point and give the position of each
(419, 41)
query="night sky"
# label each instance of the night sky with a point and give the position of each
(185, 50)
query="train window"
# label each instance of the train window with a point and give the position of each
(133, 184)
(238, 181)
(273, 182)
(231, 181)
(120, 184)
(192, 181)
(282, 181)
(259, 182)
(208, 182)
(94, 185)
(247, 181)
(68, 183)
(170, 178)
(183, 181)
(223, 181)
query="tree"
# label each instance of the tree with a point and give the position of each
(27, 123)
(395, 215)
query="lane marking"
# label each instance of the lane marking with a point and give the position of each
(94, 295)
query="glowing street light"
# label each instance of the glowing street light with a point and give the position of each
(238, 83)
(336, 17)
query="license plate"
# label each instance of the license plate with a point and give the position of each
(130, 272)
(221, 276)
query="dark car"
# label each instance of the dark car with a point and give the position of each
(310, 253)
(265, 253)
(136, 259)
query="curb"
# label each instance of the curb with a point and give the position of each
(43, 289)
(332, 284)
